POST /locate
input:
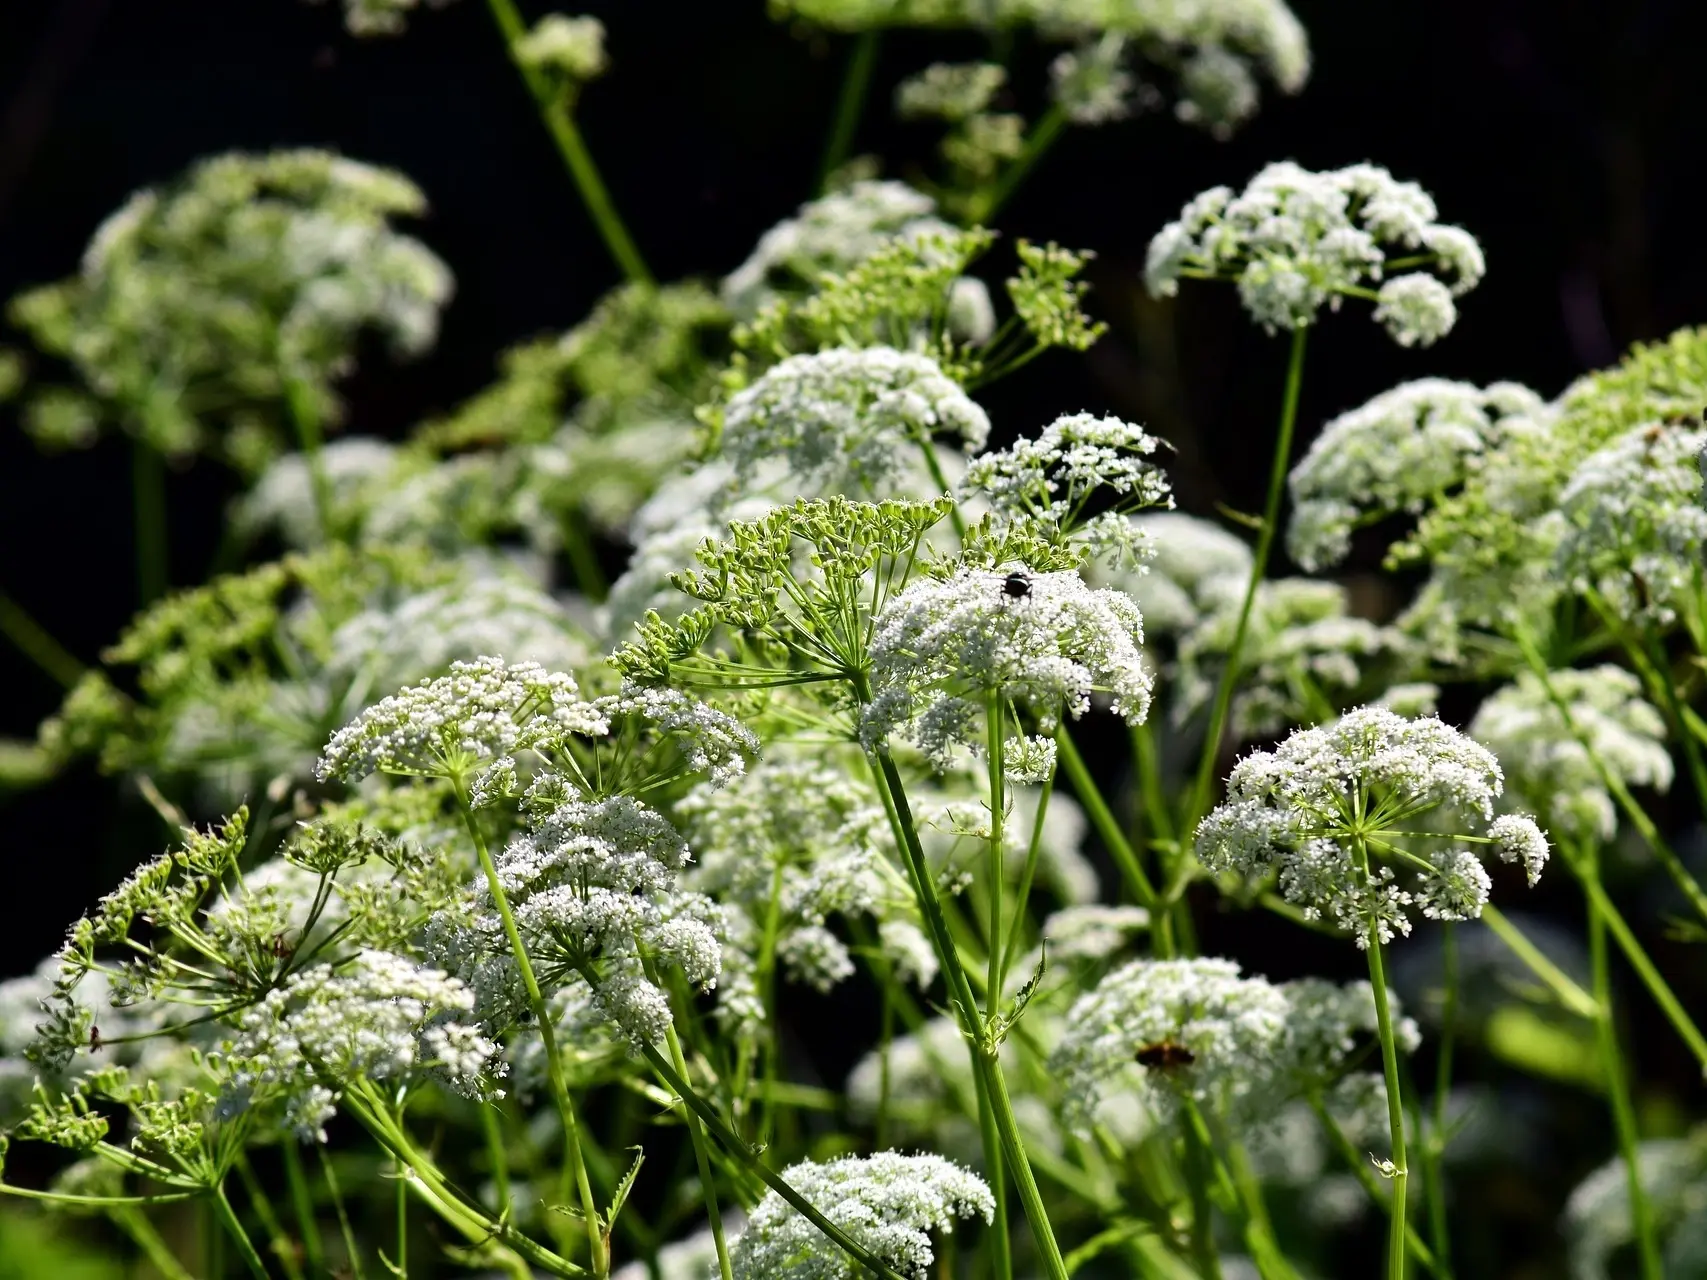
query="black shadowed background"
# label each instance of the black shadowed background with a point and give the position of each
(1568, 136)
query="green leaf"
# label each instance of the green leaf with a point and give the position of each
(1564, 1051)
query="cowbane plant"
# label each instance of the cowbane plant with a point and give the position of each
(1334, 810)
(742, 686)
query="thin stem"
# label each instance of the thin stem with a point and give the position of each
(1435, 1148)
(1618, 1093)
(1395, 1102)
(1033, 854)
(245, 1247)
(303, 1206)
(148, 492)
(999, 1237)
(310, 440)
(1557, 980)
(554, 111)
(1657, 986)
(702, 1158)
(1259, 567)
(401, 1264)
(1360, 1169)
(547, 1035)
(495, 1152)
(1103, 819)
(850, 105)
(352, 1253)
(1049, 128)
(32, 640)
(997, 871)
(135, 1224)
(282, 1246)
(1200, 1168)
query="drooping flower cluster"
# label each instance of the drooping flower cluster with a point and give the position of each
(943, 645)
(208, 300)
(1179, 1031)
(1046, 483)
(1547, 766)
(889, 1203)
(1296, 241)
(1634, 523)
(1333, 810)
(1402, 449)
(593, 886)
(380, 1018)
(848, 414)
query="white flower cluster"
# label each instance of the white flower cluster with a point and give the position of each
(954, 829)
(831, 233)
(380, 17)
(1600, 1226)
(445, 726)
(889, 1203)
(591, 884)
(1634, 523)
(850, 414)
(1296, 241)
(283, 498)
(1093, 931)
(380, 1018)
(1193, 568)
(1238, 1047)
(694, 1258)
(1396, 453)
(572, 48)
(1301, 810)
(1091, 85)
(942, 645)
(1303, 653)
(950, 91)
(1049, 479)
(1546, 765)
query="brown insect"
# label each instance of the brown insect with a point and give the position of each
(94, 1038)
(1165, 1055)
(281, 947)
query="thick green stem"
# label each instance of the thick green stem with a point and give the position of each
(1400, 1172)
(233, 1228)
(547, 1034)
(401, 1262)
(1618, 1094)
(1278, 468)
(148, 492)
(31, 640)
(999, 1238)
(850, 105)
(997, 870)
(702, 1158)
(984, 1060)
(554, 111)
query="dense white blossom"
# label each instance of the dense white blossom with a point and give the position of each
(445, 726)
(1600, 1228)
(1549, 770)
(849, 414)
(1091, 85)
(1092, 931)
(1370, 778)
(942, 645)
(1634, 522)
(1395, 453)
(1047, 481)
(1296, 241)
(571, 48)
(889, 1203)
(379, 1018)
(1252, 1045)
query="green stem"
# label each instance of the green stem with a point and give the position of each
(554, 111)
(1000, 1235)
(1618, 1093)
(1033, 854)
(1200, 1166)
(352, 1253)
(310, 440)
(1557, 980)
(302, 1205)
(135, 1224)
(996, 744)
(1435, 1149)
(148, 491)
(1259, 567)
(984, 1058)
(245, 1247)
(850, 105)
(402, 1261)
(1360, 1169)
(31, 640)
(496, 1153)
(1396, 1243)
(1103, 819)
(1657, 986)
(282, 1246)
(702, 1158)
(583, 562)
(547, 1035)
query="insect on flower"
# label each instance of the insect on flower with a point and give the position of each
(1017, 585)
(1165, 1055)
(94, 1039)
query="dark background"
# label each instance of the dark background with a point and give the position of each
(1568, 136)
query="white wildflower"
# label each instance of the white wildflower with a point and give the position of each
(1296, 241)
(1092, 931)
(1398, 452)
(848, 413)
(949, 91)
(283, 498)
(572, 48)
(1333, 810)
(890, 1203)
(380, 17)
(1091, 85)
(1634, 522)
(1550, 770)
(1600, 1227)
(942, 645)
